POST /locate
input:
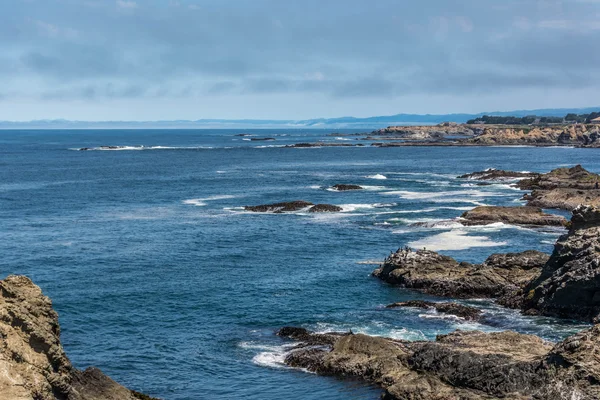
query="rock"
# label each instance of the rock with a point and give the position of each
(243, 134)
(465, 365)
(344, 187)
(262, 139)
(440, 275)
(569, 284)
(563, 188)
(485, 215)
(459, 310)
(493, 174)
(288, 206)
(32, 360)
(575, 134)
(325, 208)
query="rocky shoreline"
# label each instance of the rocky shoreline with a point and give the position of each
(476, 365)
(32, 359)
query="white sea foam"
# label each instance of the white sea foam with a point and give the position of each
(456, 239)
(270, 356)
(376, 176)
(376, 328)
(202, 202)
(404, 194)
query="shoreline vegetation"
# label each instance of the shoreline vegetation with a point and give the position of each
(476, 365)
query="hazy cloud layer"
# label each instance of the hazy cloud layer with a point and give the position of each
(269, 58)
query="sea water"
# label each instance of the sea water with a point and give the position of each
(164, 282)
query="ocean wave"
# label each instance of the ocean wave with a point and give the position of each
(376, 328)
(408, 195)
(376, 176)
(354, 207)
(139, 148)
(454, 240)
(202, 202)
(270, 356)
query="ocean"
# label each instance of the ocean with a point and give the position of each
(165, 283)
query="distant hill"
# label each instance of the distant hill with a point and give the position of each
(322, 123)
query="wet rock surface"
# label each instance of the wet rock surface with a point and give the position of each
(32, 360)
(532, 216)
(292, 206)
(458, 310)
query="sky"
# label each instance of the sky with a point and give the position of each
(290, 59)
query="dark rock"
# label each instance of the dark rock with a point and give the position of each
(344, 187)
(288, 206)
(325, 208)
(497, 175)
(563, 188)
(441, 275)
(459, 310)
(323, 144)
(464, 365)
(533, 216)
(262, 139)
(569, 284)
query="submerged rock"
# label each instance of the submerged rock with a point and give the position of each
(262, 139)
(563, 188)
(288, 206)
(440, 275)
(493, 174)
(323, 144)
(32, 360)
(459, 310)
(344, 187)
(569, 284)
(485, 215)
(463, 365)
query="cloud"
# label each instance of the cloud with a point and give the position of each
(263, 50)
(128, 5)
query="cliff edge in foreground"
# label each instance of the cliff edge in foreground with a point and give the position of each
(33, 364)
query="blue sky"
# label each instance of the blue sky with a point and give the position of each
(191, 59)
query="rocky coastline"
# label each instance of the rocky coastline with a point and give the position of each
(476, 365)
(32, 360)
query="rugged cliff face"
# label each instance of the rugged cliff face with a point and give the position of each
(563, 188)
(33, 364)
(437, 274)
(461, 365)
(569, 285)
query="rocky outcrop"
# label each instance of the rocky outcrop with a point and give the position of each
(344, 187)
(450, 308)
(33, 363)
(493, 174)
(433, 273)
(291, 206)
(531, 216)
(320, 208)
(569, 284)
(428, 132)
(575, 134)
(462, 365)
(287, 206)
(563, 188)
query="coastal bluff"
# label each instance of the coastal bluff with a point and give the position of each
(33, 363)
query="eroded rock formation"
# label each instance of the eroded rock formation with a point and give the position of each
(532, 216)
(33, 364)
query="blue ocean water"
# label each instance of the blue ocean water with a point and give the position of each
(166, 284)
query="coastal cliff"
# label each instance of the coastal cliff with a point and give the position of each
(33, 364)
